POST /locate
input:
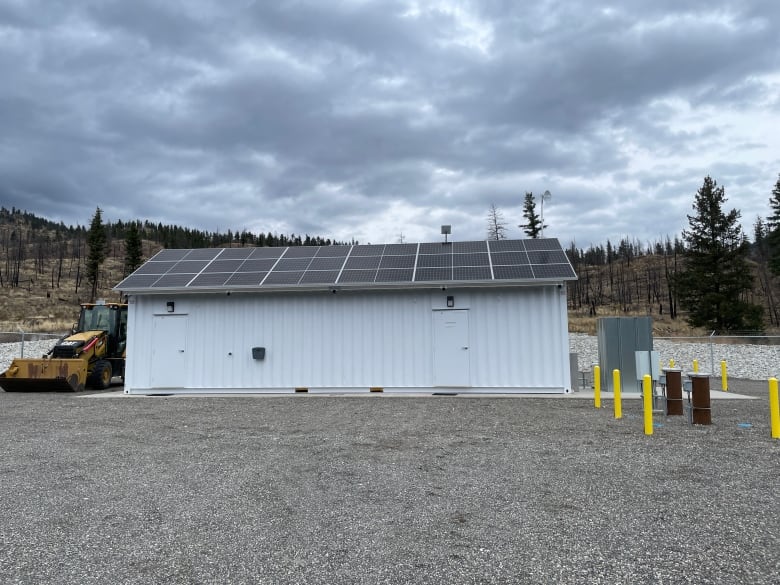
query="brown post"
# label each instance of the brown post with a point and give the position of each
(701, 410)
(674, 398)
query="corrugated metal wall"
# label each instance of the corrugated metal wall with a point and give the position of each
(517, 339)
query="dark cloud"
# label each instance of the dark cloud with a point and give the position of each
(371, 119)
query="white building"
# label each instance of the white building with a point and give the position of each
(487, 316)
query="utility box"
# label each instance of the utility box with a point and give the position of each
(619, 339)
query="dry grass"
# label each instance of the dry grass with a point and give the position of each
(663, 325)
(37, 307)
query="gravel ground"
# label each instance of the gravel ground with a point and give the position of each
(109, 488)
(755, 362)
(379, 489)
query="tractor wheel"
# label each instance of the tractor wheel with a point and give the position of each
(101, 375)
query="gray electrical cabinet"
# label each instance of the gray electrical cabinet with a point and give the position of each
(619, 339)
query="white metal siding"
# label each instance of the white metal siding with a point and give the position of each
(517, 339)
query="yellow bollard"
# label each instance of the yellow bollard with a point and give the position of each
(671, 363)
(597, 386)
(616, 389)
(647, 395)
(695, 366)
(724, 377)
(774, 408)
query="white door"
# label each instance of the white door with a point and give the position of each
(169, 342)
(451, 348)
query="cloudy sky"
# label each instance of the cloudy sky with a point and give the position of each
(376, 120)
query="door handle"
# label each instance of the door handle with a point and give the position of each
(181, 351)
(465, 347)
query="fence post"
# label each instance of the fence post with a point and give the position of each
(724, 377)
(712, 353)
(22, 332)
(696, 366)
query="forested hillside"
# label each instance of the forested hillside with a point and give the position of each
(44, 264)
(44, 269)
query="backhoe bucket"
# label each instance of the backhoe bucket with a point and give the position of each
(44, 375)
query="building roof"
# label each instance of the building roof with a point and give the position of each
(363, 266)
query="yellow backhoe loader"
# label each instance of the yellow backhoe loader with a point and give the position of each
(89, 357)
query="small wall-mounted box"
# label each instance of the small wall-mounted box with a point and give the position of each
(258, 353)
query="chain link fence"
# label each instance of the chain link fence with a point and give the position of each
(19, 344)
(749, 355)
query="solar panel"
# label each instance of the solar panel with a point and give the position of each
(512, 272)
(266, 252)
(469, 247)
(188, 267)
(319, 263)
(436, 248)
(285, 264)
(353, 276)
(210, 279)
(509, 258)
(245, 279)
(257, 265)
(394, 275)
(433, 274)
(170, 255)
(235, 253)
(400, 249)
(547, 257)
(155, 268)
(470, 260)
(173, 280)
(139, 280)
(471, 273)
(553, 271)
(542, 244)
(434, 261)
(333, 251)
(397, 262)
(301, 252)
(276, 277)
(506, 245)
(319, 277)
(368, 250)
(365, 264)
(223, 265)
(203, 254)
(362, 262)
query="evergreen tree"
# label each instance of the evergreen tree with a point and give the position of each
(496, 224)
(716, 276)
(96, 241)
(133, 251)
(533, 223)
(773, 230)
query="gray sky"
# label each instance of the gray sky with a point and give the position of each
(368, 120)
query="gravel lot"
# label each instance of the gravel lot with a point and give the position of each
(379, 489)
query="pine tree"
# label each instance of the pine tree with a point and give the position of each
(96, 241)
(496, 224)
(716, 276)
(533, 223)
(133, 251)
(773, 230)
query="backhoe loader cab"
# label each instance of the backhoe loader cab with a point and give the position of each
(93, 354)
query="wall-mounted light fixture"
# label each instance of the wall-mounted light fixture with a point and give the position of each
(450, 301)
(170, 306)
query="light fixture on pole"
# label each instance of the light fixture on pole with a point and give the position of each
(546, 196)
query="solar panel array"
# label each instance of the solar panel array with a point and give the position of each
(358, 265)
